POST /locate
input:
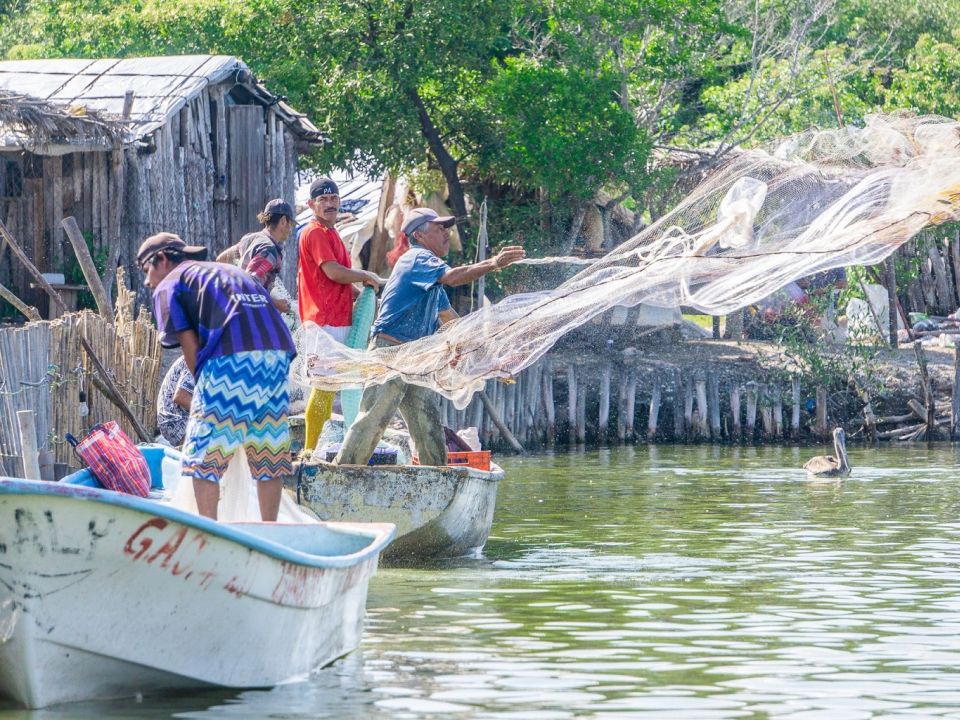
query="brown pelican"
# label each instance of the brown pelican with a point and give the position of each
(827, 466)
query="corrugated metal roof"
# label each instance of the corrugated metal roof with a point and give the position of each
(161, 86)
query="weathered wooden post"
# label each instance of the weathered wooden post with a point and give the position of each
(890, 281)
(581, 412)
(736, 429)
(28, 311)
(476, 414)
(766, 411)
(603, 415)
(631, 408)
(713, 403)
(777, 411)
(27, 424)
(703, 419)
(654, 415)
(82, 252)
(941, 284)
(520, 394)
(751, 411)
(795, 412)
(572, 395)
(622, 409)
(510, 407)
(955, 400)
(928, 398)
(678, 405)
(497, 420)
(548, 401)
(687, 406)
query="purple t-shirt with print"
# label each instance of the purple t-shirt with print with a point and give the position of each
(229, 310)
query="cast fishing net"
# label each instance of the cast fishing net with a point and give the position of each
(820, 200)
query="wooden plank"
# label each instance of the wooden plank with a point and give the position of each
(736, 431)
(92, 196)
(890, 282)
(604, 407)
(955, 264)
(955, 399)
(245, 172)
(53, 209)
(89, 270)
(945, 298)
(27, 425)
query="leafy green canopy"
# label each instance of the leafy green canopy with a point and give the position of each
(541, 103)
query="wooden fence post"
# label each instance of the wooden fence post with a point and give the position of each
(821, 429)
(654, 415)
(751, 411)
(955, 400)
(736, 431)
(603, 414)
(28, 444)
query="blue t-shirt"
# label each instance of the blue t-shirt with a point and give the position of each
(413, 298)
(226, 307)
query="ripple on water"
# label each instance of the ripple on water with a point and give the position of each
(696, 583)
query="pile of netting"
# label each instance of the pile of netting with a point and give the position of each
(819, 200)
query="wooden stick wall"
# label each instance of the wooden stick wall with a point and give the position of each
(573, 403)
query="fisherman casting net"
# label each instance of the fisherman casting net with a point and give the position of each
(820, 200)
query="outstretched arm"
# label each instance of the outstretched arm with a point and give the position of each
(468, 273)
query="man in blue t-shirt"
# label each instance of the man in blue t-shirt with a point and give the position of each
(239, 350)
(414, 305)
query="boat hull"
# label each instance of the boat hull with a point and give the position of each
(104, 595)
(438, 511)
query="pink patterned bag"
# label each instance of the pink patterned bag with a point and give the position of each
(114, 459)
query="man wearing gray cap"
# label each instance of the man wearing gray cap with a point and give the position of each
(414, 305)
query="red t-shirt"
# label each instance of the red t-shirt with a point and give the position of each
(322, 300)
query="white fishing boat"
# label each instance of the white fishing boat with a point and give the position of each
(107, 595)
(438, 511)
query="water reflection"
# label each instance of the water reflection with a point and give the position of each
(662, 582)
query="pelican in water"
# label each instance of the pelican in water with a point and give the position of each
(828, 466)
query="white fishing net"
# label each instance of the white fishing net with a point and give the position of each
(820, 200)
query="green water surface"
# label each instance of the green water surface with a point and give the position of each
(667, 582)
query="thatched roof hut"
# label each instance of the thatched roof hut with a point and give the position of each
(190, 144)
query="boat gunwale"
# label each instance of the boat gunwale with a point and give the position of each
(494, 474)
(379, 534)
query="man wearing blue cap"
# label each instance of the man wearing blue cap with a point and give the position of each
(414, 305)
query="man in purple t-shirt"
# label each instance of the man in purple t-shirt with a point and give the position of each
(239, 350)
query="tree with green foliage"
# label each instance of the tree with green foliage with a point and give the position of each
(546, 102)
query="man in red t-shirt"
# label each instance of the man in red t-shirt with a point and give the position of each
(325, 287)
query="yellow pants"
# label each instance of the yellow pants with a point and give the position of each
(319, 408)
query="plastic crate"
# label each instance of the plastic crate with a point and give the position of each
(477, 459)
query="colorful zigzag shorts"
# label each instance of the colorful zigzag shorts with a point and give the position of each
(240, 401)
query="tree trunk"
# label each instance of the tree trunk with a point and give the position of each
(448, 166)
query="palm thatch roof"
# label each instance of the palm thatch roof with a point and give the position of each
(33, 124)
